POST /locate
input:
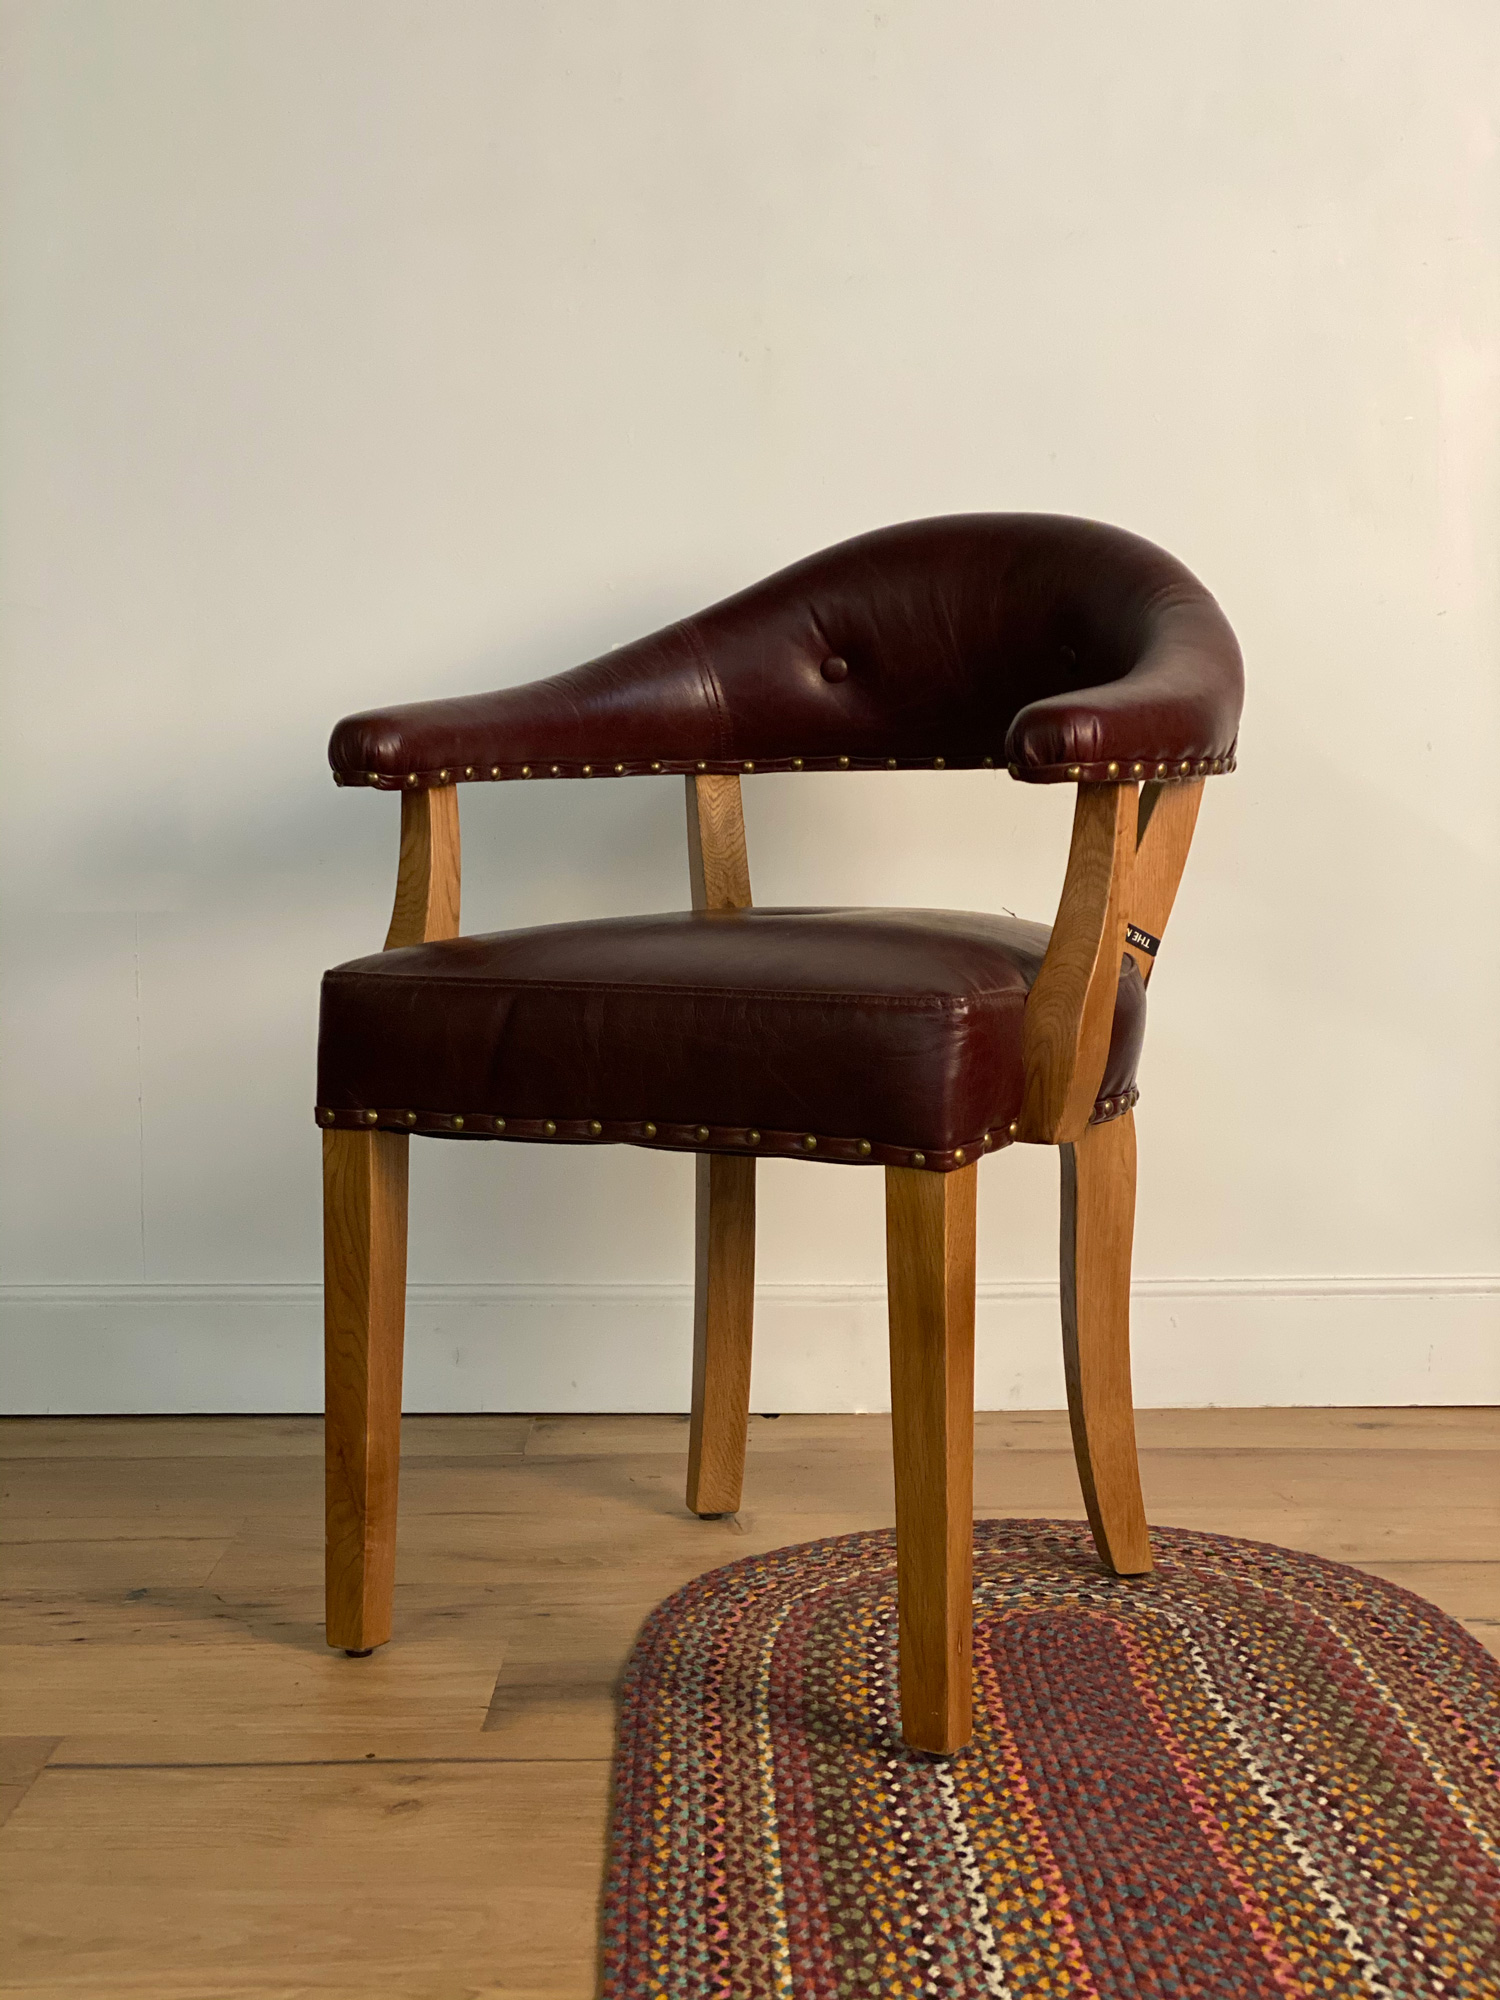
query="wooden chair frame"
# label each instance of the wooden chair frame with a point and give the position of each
(1128, 850)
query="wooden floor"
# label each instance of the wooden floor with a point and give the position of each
(200, 1799)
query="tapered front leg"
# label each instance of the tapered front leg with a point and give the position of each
(723, 1319)
(1098, 1223)
(929, 1222)
(364, 1311)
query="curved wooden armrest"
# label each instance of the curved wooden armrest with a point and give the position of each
(1124, 866)
(428, 873)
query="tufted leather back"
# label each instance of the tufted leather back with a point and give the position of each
(1061, 647)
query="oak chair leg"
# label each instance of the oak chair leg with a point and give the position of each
(723, 1318)
(364, 1310)
(929, 1222)
(1098, 1222)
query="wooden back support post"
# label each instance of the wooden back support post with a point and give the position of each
(1124, 865)
(724, 1284)
(428, 874)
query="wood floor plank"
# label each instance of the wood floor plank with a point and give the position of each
(243, 1437)
(376, 1877)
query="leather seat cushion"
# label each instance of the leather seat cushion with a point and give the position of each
(886, 1036)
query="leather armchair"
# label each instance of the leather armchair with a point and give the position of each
(1060, 650)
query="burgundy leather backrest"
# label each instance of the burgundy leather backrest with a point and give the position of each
(1060, 647)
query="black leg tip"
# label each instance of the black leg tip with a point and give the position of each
(358, 1652)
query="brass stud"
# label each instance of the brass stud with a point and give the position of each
(1075, 770)
(525, 770)
(458, 1123)
(843, 763)
(468, 770)
(863, 1148)
(649, 1130)
(989, 764)
(442, 777)
(752, 1137)
(550, 1128)
(890, 763)
(494, 770)
(1161, 770)
(619, 770)
(1112, 770)
(749, 766)
(939, 764)
(1202, 767)
(557, 770)
(700, 1132)
(958, 1155)
(372, 1117)
(412, 779)
(1013, 1129)
(796, 763)
(989, 1140)
(595, 1128)
(1137, 770)
(1186, 766)
(499, 1124)
(703, 767)
(411, 1117)
(809, 1144)
(656, 767)
(919, 1159)
(1106, 1105)
(588, 770)
(326, 1116)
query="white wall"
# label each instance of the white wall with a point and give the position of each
(360, 350)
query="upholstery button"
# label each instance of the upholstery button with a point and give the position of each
(835, 669)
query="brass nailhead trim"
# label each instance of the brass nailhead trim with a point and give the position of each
(494, 770)
(938, 764)
(549, 1128)
(656, 767)
(468, 770)
(1075, 770)
(1112, 770)
(958, 1154)
(595, 1128)
(749, 767)
(700, 1132)
(525, 770)
(499, 1124)
(919, 1159)
(458, 1124)
(863, 1147)
(1161, 770)
(752, 1137)
(1014, 769)
(890, 763)
(649, 1130)
(810, 1144)
(327, 1117)
(619, 770)
(1137, 770)
(588, 770)
(843, 763)
(1013, 1128)
(411, 1117)
(557, 770)
(442, 777)
(412, 779)
(796, 763)
(989, 763)
(701, 767)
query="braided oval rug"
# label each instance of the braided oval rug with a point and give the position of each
(1251, 1773)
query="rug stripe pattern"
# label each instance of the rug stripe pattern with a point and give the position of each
(1252, 1773)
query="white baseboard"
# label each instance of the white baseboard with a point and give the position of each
(157, 1349)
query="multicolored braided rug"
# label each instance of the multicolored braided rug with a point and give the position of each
(1251, 1773)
